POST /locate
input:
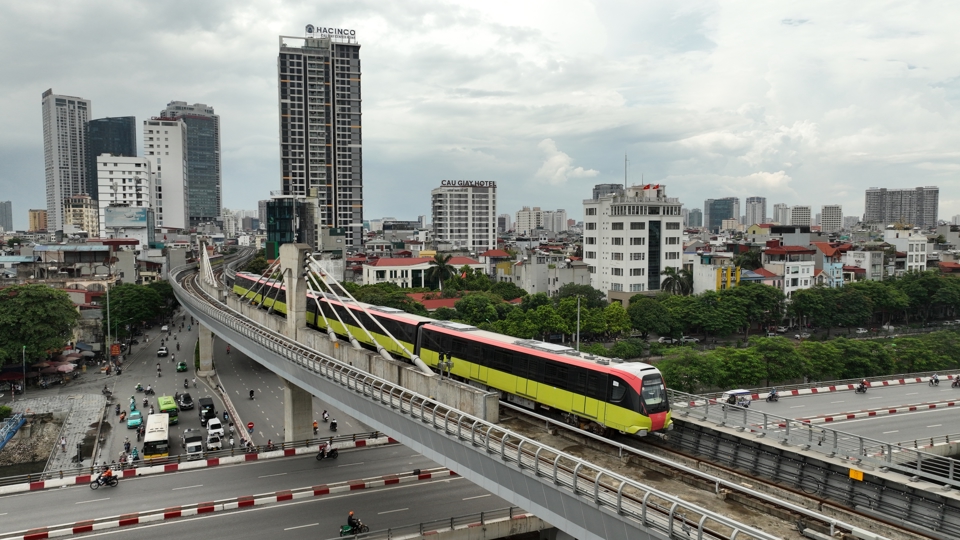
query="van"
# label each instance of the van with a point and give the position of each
(192, 442)
(207, 410)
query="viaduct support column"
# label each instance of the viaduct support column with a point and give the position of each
(206, 352)
(292, 258)
(297, 412)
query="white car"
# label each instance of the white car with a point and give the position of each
(802, 335)
(667, 340)
(689, 339)
(214, 427)
(862, 330)
(782, 329)
(163, 351)
(164, 328)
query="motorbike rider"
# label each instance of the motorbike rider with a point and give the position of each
(326, 416)
(148, 390)
(145, 403)
(186, 383)
(251, 394)
(102, 479)
(352, 521)
(863, 384)
(315, 427)
(323, 448)
(228, 349)
(139, 387)
(935, 378)
(333, 424)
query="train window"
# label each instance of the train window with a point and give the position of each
(595, 385)
(653, 394)
(618, 389)
(503, 361)
(459, 348)
(581, 385)
(555, 374)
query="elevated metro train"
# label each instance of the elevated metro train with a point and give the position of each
(591, 393)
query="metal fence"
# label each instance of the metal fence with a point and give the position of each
(632, 500)
(9, 427)
(830, 442)
(444, 525)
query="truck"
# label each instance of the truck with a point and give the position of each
(192, 442)
(207, 410)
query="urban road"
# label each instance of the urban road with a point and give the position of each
(390, 506)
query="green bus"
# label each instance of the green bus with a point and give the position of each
(168, 406)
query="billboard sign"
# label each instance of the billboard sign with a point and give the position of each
(125, 216)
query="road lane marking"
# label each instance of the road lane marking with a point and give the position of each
(350, 464)
(913, 393)
(269, 475)
(832, 402)
(935, 425)
(875, 398)
(95, 500)
(301, 526)
(187, 487)
(477, 497)
(797, 406)
(392, 511)
(889, 432)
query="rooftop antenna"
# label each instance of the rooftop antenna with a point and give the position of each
(624, 171)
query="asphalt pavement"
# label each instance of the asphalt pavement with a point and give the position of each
(848, 401)
(903, 427)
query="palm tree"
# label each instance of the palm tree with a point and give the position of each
(440, 268)
(751, 260)
(677, 281)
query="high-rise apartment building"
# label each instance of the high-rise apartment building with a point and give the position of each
(756, 211)
(629, 239)
(528, 220)
(115, 136)
(464, 214)
(6, 216)
(695, 218)
(64, 151)
(37, 220)
(321, 144)
(918, 206)
(123, 182)
(717, 210)
(204, 179)
(262, 211)
(781, 214)
(504, 223)
(80, 214)
(831, 218)
(165, 145)
(800, 215)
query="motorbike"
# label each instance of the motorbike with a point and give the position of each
(346, 530)
(333, 425)
(315, 430)
(773, 397)
(139, 388)
(145, 403)
(117, 409)
(251, 394)
(934, 382)
(332, 454)
(955, 383)
(186, 383)
(110, 481)
(861, 389)
(150, 392)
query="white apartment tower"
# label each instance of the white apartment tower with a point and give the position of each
(529, 220)
(321, 144)
(123, 182)
(756, 211)
(831, 218)
(64, 152)
(800, 215)
(629, 239)
(781, 214)
(165, 145)
(465, 214)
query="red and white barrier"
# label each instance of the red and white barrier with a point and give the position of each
(174, 512)
(877, 412)
(189, 465)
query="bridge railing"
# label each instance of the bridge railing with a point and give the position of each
(631, 500)
(830, 442)
(445, 525)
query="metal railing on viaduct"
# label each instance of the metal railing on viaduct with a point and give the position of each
(579, 498)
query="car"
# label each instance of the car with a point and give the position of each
(862, 330)
(782, 329)
(666, 340)
(771, 334)
(738, 396)
(802, 335)
(185, 402)
(163, 351)
(134, 420)
(214, 427)
(214, 442)
(181, 366)
(689, 339)
(164, 328)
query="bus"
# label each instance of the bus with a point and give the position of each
(168, 406)
(156, 441)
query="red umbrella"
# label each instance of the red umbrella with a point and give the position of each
(66, 368)
(42, 364)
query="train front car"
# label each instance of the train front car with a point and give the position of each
(594, 394)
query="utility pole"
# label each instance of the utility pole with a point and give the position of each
(578, 322)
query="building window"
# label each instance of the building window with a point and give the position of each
(616, 241)
(672, 240)
(618, 226)
(616, 271)
(590, 240)
(637, 256)
(590, 254)
(592, 269)
(638, 241)
(636, 271)
(637, 226)
(636, 287)
(672, 255)
(591, 226)
(671, 226)
(616, 287)
(616, 256)
(591, 211)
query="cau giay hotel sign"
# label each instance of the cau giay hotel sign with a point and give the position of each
(468, 183)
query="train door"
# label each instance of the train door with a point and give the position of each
(583, 404)
(478, 372)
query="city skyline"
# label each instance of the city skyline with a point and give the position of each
(505, 95)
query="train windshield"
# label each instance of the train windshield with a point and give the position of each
(654, 394)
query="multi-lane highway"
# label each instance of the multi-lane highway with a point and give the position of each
(77, 503)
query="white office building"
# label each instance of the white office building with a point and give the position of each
(756, 211)
(800, 215)
(464, 214)
(64, 152)
(781, 214)
(629, 239)
(831, 218)
(531, 219)
(913, 244)
(123, 182)
(165, 145)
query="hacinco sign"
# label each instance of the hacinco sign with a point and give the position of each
(468, 183)
(330, 32)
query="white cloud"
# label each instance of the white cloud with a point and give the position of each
(558, 167)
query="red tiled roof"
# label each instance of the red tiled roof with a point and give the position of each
(817, 272)
(901, 254)
(765, 225)
(765, 273)
(949, 267)
(495, 253)
(455, 261)
(854, 269)
(832, 249)
(787, 250)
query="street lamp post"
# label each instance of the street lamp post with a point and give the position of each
(24, 358)
(578, 322)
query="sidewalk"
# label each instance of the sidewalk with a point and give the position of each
(83, 413)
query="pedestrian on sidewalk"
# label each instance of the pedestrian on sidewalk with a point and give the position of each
(63, 444)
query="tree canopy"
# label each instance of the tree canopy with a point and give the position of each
(37, 317)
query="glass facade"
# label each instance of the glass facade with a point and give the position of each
(203, 168)
(290, 221)
(653, 256)
(116, 136)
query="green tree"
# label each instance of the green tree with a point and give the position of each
(257, 265)
(131, 305)
(590, 297)
(750, 260)
(617, 319)
(648, 315)
(762, 305)
(477, 308)
(165, 290)
(445, 314)
(780, 358)
(822, 360)
(37, 317)
(885, 298)
(677, 281)
(686, 370)
(735, 368)
(863, 358)
(440, 269)
(14, 241)
(507, 290)
(548, 321)
(531, 302)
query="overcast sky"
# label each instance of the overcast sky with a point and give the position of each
(800, 102)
